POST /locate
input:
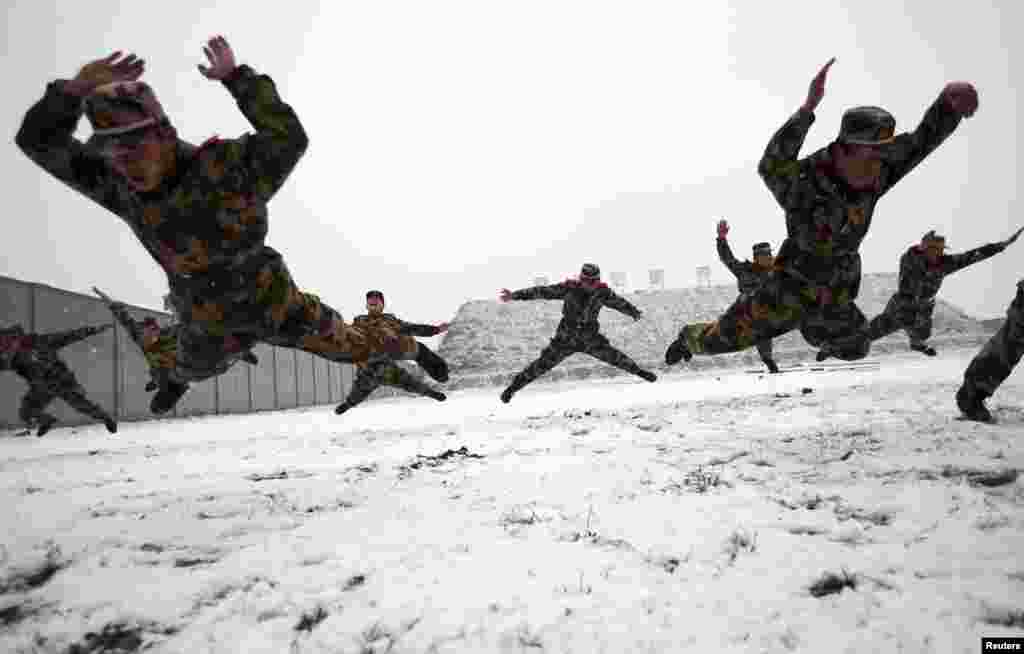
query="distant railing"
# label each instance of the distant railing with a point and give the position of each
(114, 373)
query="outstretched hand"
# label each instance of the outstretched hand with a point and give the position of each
(112, 68)
(817, 90)
(222, 59)
(1015, 236)
(505, 295)
(443, 327)
(962, 97)
(723, 229)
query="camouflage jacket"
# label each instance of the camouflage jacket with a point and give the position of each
(581, 305)
(748, 275)
(205, 227)
(378, 328)
(34, 356)
(920, 281)
(825, 220)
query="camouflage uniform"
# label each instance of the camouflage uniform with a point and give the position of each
(911, 307)
(818, 266)
(34, 358)
(206, 226)
(749, 277)
(994, 363)
(578, 331)
(391, 338)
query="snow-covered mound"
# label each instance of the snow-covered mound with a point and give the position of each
(489, 341)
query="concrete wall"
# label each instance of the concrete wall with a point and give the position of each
(114, 373)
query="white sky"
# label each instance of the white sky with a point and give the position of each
(459, 147)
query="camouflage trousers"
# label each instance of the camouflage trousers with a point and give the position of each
(1001, 353)
(217, 329)
(383, 372)
(42, 390)
(565, 345)
(915, 317)
(781, 304)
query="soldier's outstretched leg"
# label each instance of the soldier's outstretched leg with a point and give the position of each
(764, 348)
(432, 363)
(32, 411)
(920, 330)
(366, 382)
(76, 399)
(775, 308)
(994, 363)
(601, 349)
(403, 379)
(553, 354)
(894, 317)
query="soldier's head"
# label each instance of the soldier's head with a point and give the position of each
(763, 255)
(858, 151)
(374, 302)
(132, 132)
(934, 246)
(150, 331)
(590, 275)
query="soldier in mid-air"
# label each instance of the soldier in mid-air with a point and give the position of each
(749, 276)
(33, 357)
(579, 331)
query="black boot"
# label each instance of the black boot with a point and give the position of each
(923, 349)
(432, 363)
(437, 395)
(773, 368)
(342, 408)
(150, 386)
(972, 404)
(677, 351)
(46, 423)
(110, 424)
(250, 358)
(822, 355)
(647, 375)
(167, 397)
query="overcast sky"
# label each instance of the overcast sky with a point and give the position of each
(461, 147)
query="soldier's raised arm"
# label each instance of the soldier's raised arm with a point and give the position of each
(725, 254)
(957, 100)
(46, 134)
(417, 329)
(779, 166)
(622, 305)
(954, 262)
(58, 340)
(280, 140)
(548, 292)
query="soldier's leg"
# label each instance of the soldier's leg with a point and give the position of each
(920, 330)
(33, 404)
(601, 349)
(74, 395)
(775, 308)
(764, 348)
(432, 363)
(555, 352)
(892, 319)
(403, 379)
(367, 380)
(994, 363)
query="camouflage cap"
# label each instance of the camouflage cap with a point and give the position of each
(105, 108)
(931, 237)
(590, 271)
(867, 126)
(764, 248)
(376, 294)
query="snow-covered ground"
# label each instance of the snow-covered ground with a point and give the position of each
(702, 513)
